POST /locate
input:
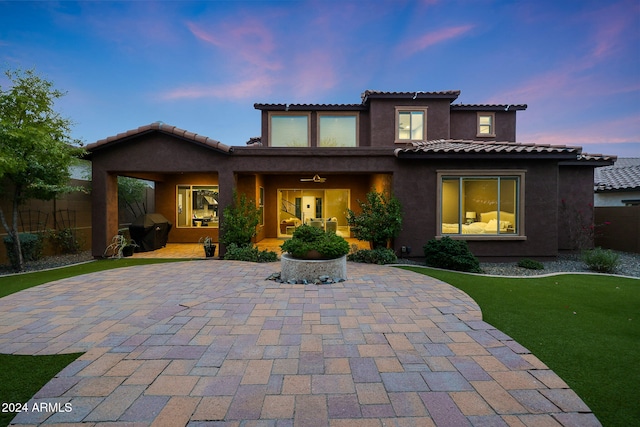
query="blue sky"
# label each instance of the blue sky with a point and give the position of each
(202, 65)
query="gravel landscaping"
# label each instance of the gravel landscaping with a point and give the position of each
(629, 265)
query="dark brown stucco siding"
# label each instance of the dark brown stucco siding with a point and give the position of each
(464, 125)
(576, 213)
(383, 122)
(415, 184)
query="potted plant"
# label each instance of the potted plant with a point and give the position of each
(120, 247)
(314, 243)
(209, 247)
(313, 254)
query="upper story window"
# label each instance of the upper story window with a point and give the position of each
(337, 130)
(289, 130)
(411, 124)
(486, 124)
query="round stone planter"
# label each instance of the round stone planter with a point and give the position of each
(312, 269)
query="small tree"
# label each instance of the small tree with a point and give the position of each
(36, 148)
(379, 221)
(131, 195)
(239, 221)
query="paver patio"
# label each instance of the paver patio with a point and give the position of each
(212, 343)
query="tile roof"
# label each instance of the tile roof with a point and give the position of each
(495, 148)
(164, 128)
(489, 107)
(450, 94)
(307, 107)
(623, 175)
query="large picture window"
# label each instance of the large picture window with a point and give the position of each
(337, 131)
(289, 130)
(197, 206)
(411, 124)
(481, 205)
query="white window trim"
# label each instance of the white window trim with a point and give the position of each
(493, 125)
(294, 114)
(409, 109)
(485, 173)
(343, 114)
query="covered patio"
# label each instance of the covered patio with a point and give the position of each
(194, 250)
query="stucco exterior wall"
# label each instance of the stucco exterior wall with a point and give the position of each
(383, 123)
(575, 207)
(464, 125)
(614, 198)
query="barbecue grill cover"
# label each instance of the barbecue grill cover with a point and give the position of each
(150, 231)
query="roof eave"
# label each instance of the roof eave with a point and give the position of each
(309, 107)
(458, 155)
(489, 107)
(158, 127)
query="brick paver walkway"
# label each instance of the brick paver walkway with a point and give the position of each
(212, 343)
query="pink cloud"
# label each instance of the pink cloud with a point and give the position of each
(244, 89)
(578, 76)
(623, 130)
(611, 24)
(313, 72)
(435, 37)
(248, 42)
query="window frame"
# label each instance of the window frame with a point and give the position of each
(338, 114)
(272, 114)
(492, 133)
(410, 109)
(484, 174)
(189, 201)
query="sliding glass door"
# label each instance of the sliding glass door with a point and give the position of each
(323, 208)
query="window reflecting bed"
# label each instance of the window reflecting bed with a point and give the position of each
(480, 205)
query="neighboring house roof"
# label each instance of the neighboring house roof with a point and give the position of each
(624, 175)
(458, 147)
(164, 128)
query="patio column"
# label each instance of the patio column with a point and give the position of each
(104, 212)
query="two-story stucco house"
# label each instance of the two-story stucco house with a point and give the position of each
(456, 168)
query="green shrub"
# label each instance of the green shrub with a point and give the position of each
(379, 221)
(31, 245)
(451, 255)
(307, 238)
(249, 253)
(64, 241)
(601, 260)
(239, 221)
(530, 264)
(374, 256)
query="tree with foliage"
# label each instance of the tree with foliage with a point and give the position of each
(379, 221)
(36, 147)
(239, 221)
(131, 195)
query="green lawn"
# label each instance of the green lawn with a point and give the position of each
(586, 328)
(22, 376)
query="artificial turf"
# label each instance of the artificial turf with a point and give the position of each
(586, 328)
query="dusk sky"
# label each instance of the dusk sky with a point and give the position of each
(202, 65)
